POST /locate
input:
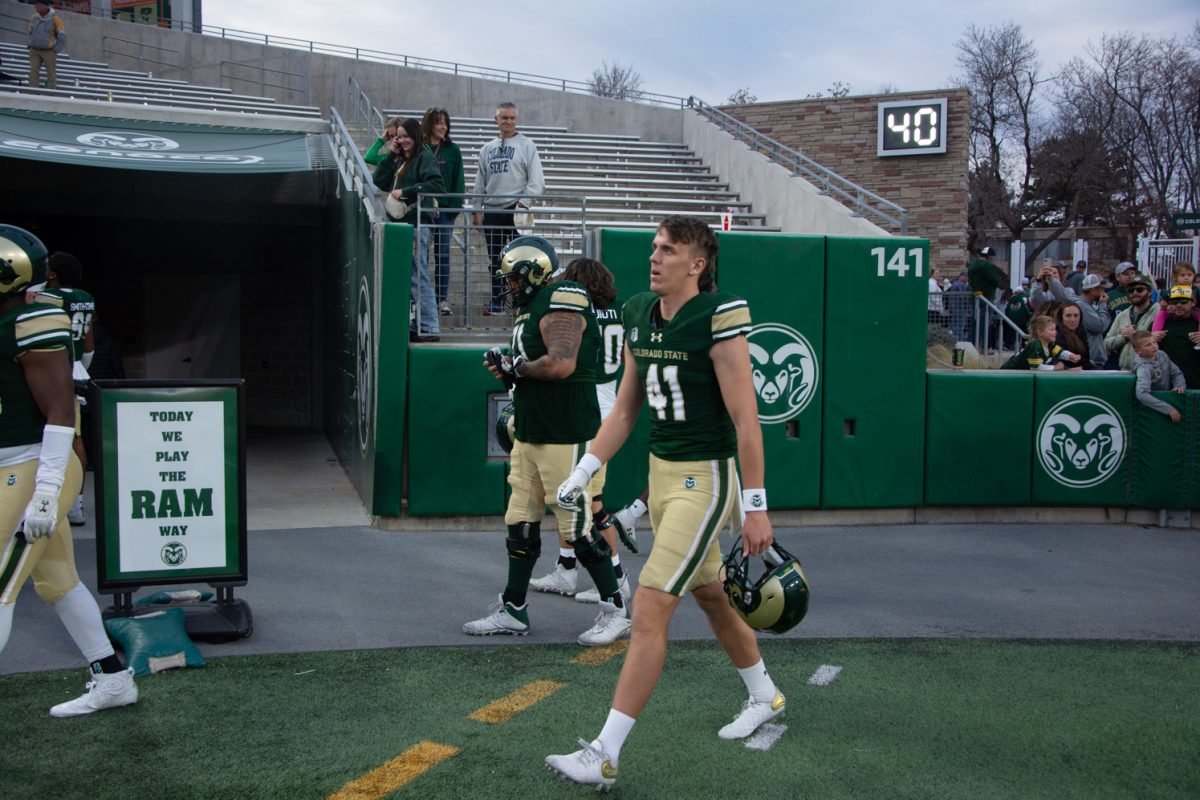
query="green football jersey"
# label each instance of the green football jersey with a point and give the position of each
(688, 419)
(36, 326)
(563, 411)
(80, 306)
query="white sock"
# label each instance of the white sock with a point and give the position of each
(616, 560)
(758, 682)
(6, 614)
(566, 552)
(638, 508)
(612, 737)
(81, 617)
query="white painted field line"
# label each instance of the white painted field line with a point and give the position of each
(824, 675)
(765, 737)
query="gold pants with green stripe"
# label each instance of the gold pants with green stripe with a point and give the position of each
(535, 473)
(51, 559)
(690, 502)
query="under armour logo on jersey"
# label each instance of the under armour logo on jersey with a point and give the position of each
(656, 337)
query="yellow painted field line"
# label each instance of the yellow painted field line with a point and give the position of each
(514, 703)
(396, 773)
(595, 656)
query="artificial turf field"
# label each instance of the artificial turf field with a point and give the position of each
(952, 718)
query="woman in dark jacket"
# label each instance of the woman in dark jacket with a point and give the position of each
(435, 132)
(410, 169)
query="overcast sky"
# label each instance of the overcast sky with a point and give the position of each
(780, 51)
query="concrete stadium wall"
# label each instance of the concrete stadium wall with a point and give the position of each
(323, 80)
(793, 204)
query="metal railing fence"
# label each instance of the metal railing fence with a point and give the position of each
(863, 202)
(140, 56)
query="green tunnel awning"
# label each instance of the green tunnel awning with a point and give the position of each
(159, 146)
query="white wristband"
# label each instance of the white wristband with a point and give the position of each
(589, 464)
(754, 500)
(56, 452)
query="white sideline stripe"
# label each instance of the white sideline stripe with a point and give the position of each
(824, 675)
(765, 737)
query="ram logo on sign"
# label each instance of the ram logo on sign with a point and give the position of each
(1081, 442)
(785, 371)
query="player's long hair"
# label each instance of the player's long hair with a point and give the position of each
(595, 277)
(696, 234)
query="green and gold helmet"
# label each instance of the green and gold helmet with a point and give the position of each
(527, 263)
(23, 260)
(506, 425)
(778, 600)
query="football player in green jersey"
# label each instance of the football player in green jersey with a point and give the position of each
(564, 578)
(39, 474)
(62, 282)
(686, 345)
(552, 370)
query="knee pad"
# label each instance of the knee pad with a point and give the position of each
(524, 540)
(591, 550)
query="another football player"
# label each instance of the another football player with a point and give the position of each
(686, 345)
(40, 473)
(552, 370)
(62, 285)
(564, 579)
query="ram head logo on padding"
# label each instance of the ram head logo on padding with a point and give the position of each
(784, 371)
(1081, 441)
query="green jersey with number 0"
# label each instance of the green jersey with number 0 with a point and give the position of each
(562, 411)
(688, 418)
(36, 326)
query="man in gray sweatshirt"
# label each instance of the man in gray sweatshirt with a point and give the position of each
(46, 38)
(509, 174)
(1155, 372)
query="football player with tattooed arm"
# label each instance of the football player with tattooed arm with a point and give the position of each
(552, 370)
(40, 475)
(686, 354)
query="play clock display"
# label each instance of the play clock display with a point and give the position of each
(912, 127)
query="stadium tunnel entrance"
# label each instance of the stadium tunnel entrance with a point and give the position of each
(196, 274)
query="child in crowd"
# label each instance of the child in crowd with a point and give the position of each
(1042, 352)
(1155, 372)
(1182, 275)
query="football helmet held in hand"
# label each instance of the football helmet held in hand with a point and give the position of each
(506, 426)
(526, 263)
(776, 601)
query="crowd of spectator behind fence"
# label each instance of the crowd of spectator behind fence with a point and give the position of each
(1082, 321)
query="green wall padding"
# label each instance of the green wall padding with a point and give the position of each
(974, 459)
(448, 470)
(1164, 472)
(1082, 439)
(785, 352)
(876, 299)
(391, 372)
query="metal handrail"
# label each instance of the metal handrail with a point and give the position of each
(264, 82)
(364, 113)
(140, 57)
(863, 202)
(355, 175)
(417, 62)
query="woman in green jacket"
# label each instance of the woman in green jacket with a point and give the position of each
(408, 170)
(435, 132)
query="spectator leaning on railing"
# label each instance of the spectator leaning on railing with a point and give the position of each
(1155, 373)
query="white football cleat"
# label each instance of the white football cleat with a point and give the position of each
(753, 716)
(502, 618)
(77, 516)
(561, 581)
(589, 766)
(102, 691)
(611, 624)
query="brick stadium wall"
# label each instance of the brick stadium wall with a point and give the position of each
(840, 133)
